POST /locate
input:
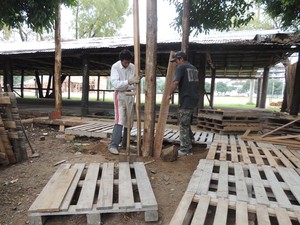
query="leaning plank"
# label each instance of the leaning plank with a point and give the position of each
(145, 190)
(53, 193)
(241, 212)
(105, 197)
(222, 190)
(86, 198)
(262, 215)
(241, 188)
(206, 177)
(126, 199)
(282, 216)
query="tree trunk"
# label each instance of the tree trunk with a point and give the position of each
(185, 26)
(150, 89)
(57, 66)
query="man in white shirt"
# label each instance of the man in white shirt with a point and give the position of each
(123, 80)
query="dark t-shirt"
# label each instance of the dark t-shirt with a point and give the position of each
(188, 87)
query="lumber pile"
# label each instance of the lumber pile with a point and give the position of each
(12, 139)
(287, 134)
(232, 121)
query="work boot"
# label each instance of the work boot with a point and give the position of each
(113, 150)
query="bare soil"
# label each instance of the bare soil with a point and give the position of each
(21, 183)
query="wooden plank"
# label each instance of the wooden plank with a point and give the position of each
(205, 178)
(53, 193)
(71, 191)
(262, 215)
(126, 199)
(282, 158)
(201, 210)
(105, 196)
(234, 153)
(292, 179)
(212, 151)
(182, 209)
(277, 190)
(282, 216)
(260, 191)
(270, 158)
(257, 155)
(241, 213)
(221, 212)
(222, 190)
(290, 156)
(240, 183)
(223, 152)
(164, 109)
(245, 155)
(86, 198)
(144, 186)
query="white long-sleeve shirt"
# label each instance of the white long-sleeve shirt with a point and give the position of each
(120, 75)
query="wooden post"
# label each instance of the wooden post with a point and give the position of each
(264, 91)
(201, 75)
(294, 109)
(85, 86)
(185, 26)
(57, 67)
(164, 109)
(150, 89)
(137, 72)
(258, 94)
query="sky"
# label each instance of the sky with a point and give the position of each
(165, 15)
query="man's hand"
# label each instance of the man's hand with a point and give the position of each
(134, 80)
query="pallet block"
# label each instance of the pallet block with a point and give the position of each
(94, 189)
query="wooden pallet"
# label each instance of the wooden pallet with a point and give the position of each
(105, 130)
(260, 155)
(229, 183)
(202, 209)
(94, 189)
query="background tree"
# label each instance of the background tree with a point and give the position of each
(221, 88)
(287, 11)
(206, 15)
(37, 14)
(99, 18)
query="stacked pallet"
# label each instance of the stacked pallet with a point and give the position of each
(12, 140)
(231, 121)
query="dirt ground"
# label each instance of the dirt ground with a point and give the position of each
(21, 183)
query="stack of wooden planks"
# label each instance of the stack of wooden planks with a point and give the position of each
(231, 121)
(12, 138)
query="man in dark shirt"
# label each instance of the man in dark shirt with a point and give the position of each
(187, 81)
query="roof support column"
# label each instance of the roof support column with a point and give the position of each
(258, 94)
(295, 105)
(8, 76)
(264, 88)
(85, 86)
(201, 75)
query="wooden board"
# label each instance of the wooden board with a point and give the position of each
(92, 189)
(253, 154)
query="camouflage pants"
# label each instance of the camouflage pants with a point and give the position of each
(186, 134)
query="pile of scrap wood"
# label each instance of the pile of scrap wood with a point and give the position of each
(287, 134)
(232, 121)
(12, 136)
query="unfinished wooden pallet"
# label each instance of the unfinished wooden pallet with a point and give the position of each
(202, 209)
(94, 189)
(105, 130)
(262, 190)
(260, 155)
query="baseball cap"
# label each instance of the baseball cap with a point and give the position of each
(178, 55)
